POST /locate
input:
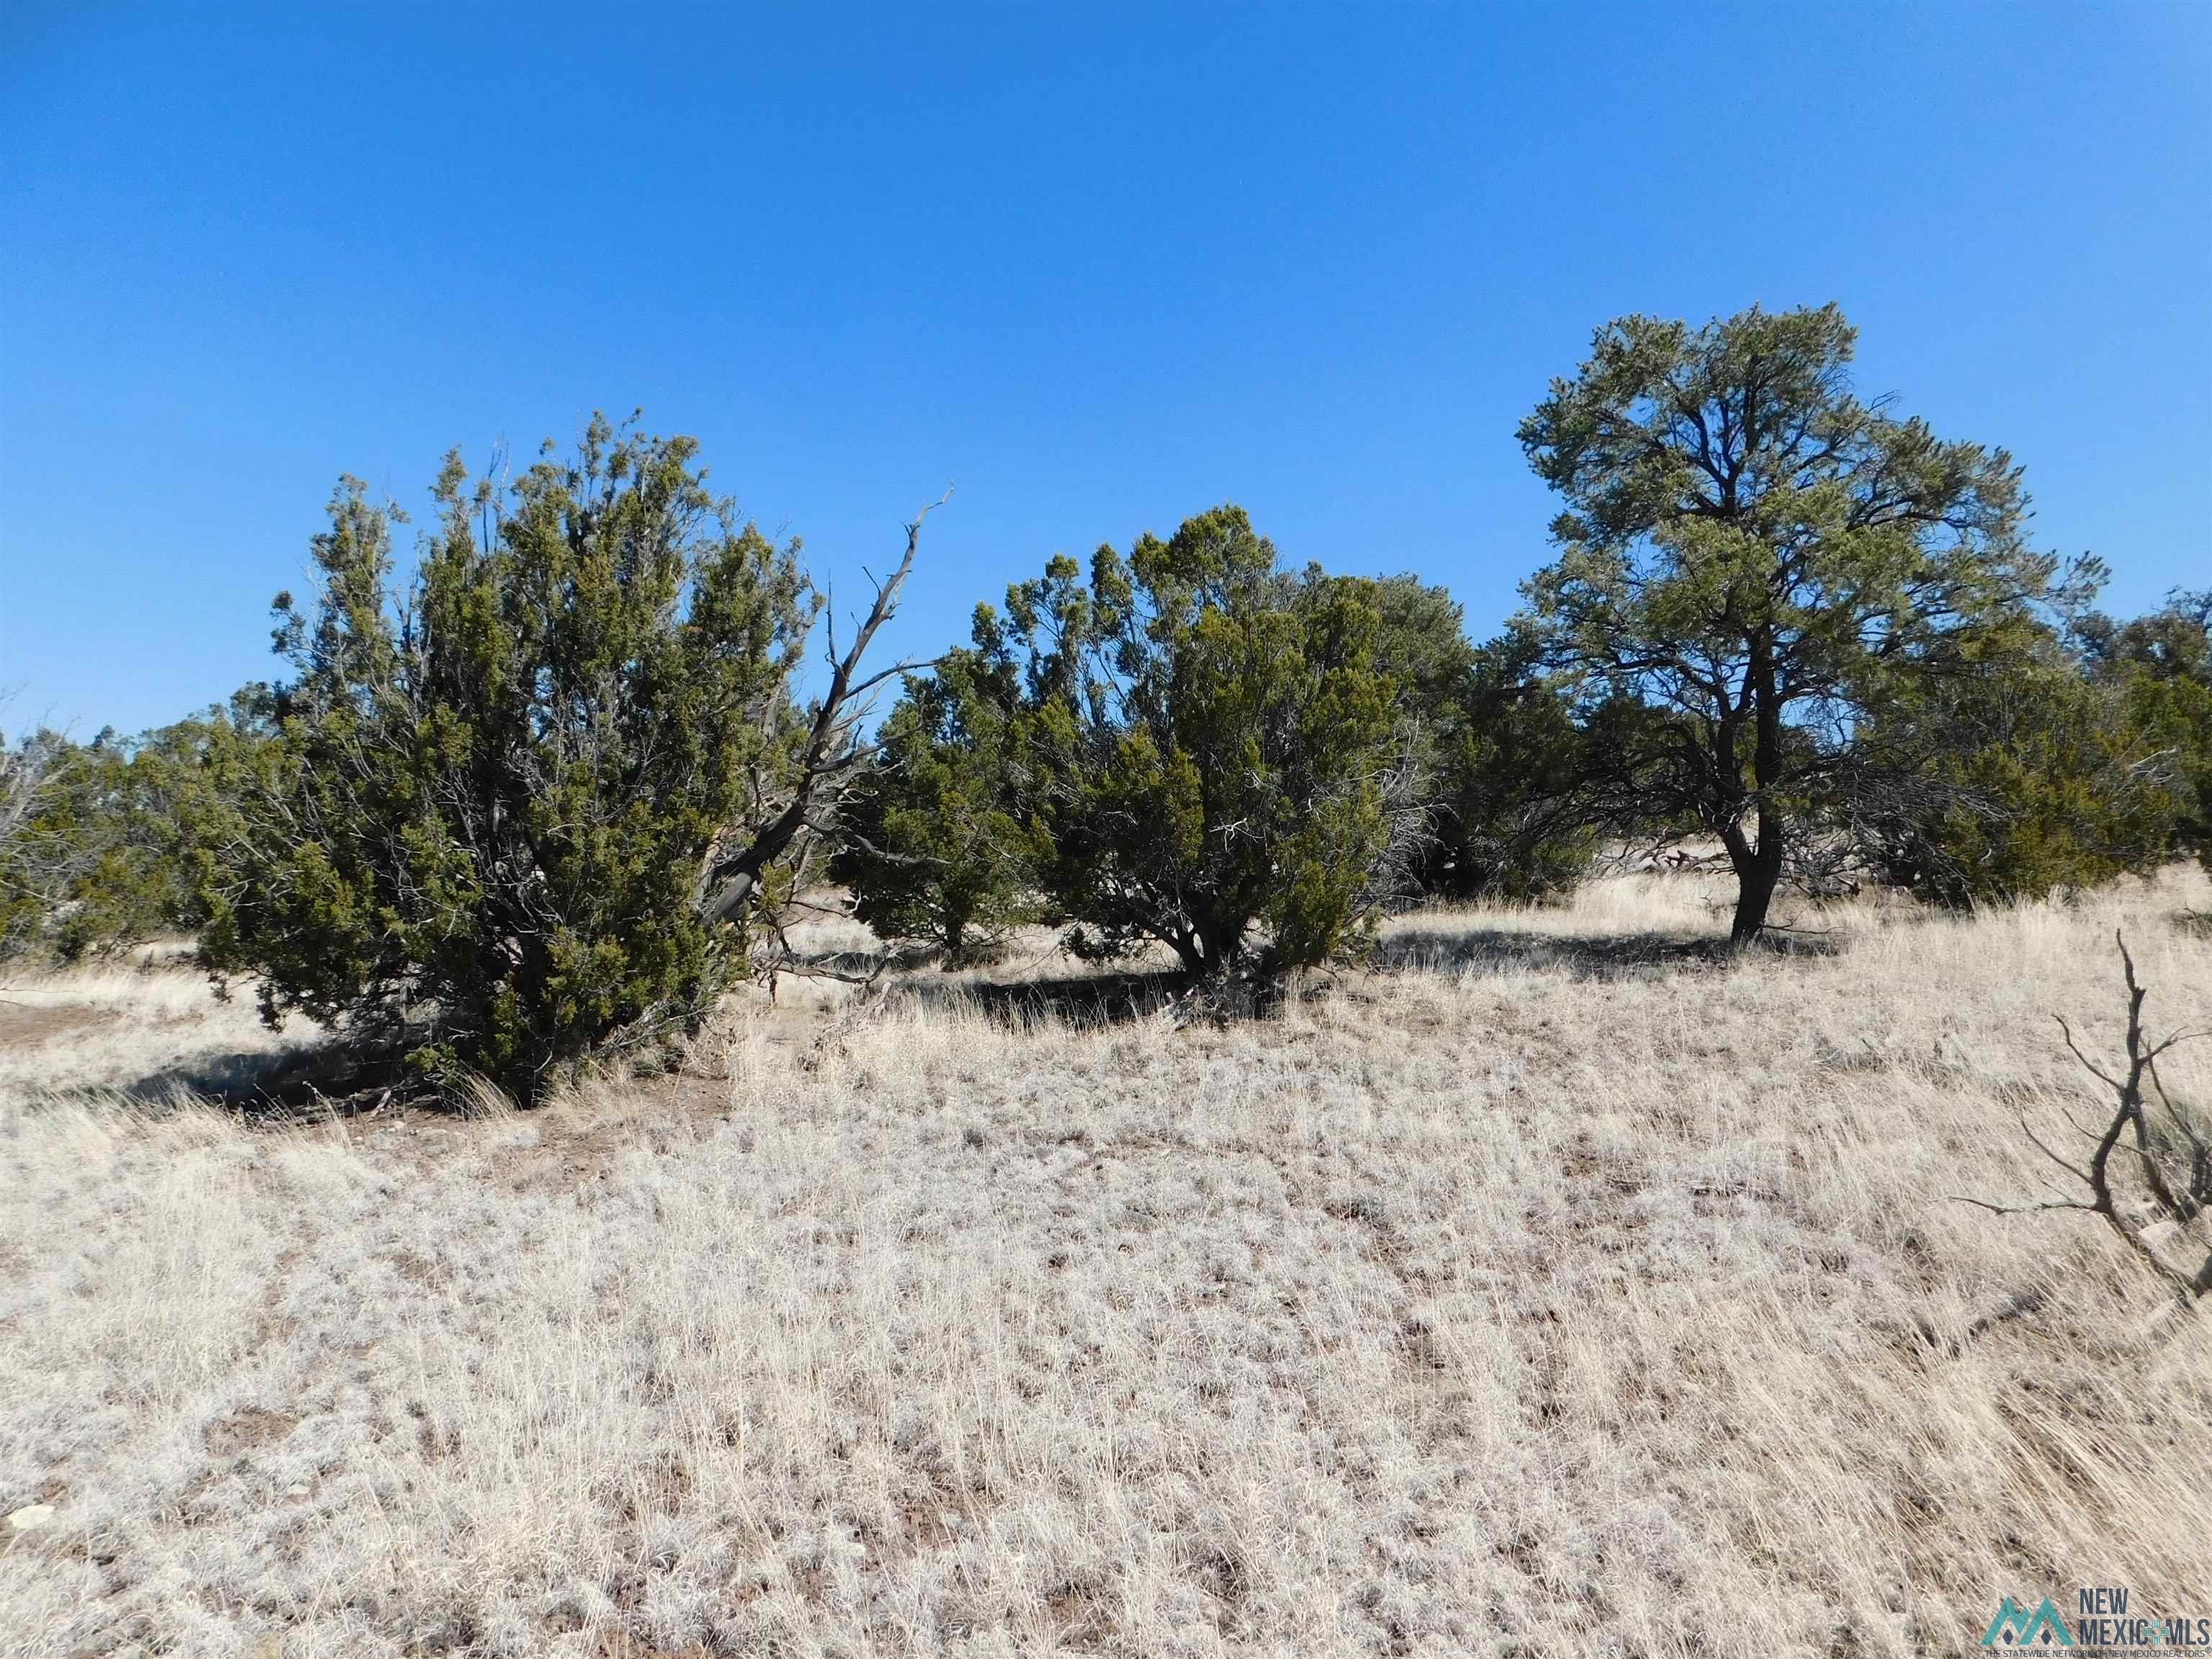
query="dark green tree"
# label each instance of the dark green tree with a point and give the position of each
(1211, 751)
(1492, 748)
(2162, 663)
(527, 801)
(2030, 777)
(1513, 820)
(141, 815)
(933, 841)
(1752, 552)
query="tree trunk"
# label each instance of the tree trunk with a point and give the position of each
(1757, 872)
(1211, 948)
(1758, 864)
(1190, 950)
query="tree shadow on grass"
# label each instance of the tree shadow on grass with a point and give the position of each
(1084, 1001)
(1595, 957)
(320, 1080)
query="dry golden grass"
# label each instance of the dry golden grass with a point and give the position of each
(1543, 1292)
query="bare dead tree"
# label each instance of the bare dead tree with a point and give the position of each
(2170, 1151)
(734, 880)
(35, 865)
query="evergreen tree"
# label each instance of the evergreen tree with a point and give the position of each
(2162, 663)
(932, 841)
(1210, 750)
(492, 804)
(2031, 778)
(1753, 553)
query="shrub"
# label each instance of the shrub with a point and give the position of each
(142, 816)
(1512, 823)
(1492, 746)
(2162, 663)
(39, 854)
(2027, 775)
(1209, 747)
(492, 806)
(2046, 782)
(933, 841)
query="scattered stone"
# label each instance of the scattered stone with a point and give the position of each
(30, 1516)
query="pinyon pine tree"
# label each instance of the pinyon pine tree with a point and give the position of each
(1752, 553)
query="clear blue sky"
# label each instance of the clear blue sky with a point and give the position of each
(1101, 266)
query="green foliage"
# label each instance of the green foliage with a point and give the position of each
(2162, 663)
(1512, 824)
(2042, 779)
(490, 807)
(1492, 748)
(1420, 643)
(1208, 747)
(933, 841)
(138, 817)
(1755, 554)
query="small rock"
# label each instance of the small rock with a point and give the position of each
(30, 1516)
(297, 1489)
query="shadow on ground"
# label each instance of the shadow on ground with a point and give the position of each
(1617, 956)
(1084, 1001)
(322, 1080)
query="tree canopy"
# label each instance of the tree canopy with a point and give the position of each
(1211, 749)
(493, 798)
(1749, 550)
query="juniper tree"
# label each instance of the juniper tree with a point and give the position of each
(934, 840)
(529, 800)
(2033, 776)
(2161, 663)
(1510, 782)
(1493, 745)
(39, 856)
(1212, 750)
(133, 823)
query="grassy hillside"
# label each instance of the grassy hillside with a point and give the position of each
(1551, 1288)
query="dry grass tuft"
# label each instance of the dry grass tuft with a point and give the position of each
(1553, 1289)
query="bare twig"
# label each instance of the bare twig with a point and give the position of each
(2176, 1194)
(733, 877)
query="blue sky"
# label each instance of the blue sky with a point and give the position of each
(1102, 267)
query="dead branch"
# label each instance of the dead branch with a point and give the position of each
(733, 872)
(2177, 1179)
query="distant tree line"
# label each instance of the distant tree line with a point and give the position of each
(552, 792)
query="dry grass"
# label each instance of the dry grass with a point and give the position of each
(1552, 1293)
(148, 1022)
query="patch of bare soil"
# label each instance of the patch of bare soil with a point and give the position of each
(24, 1025)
